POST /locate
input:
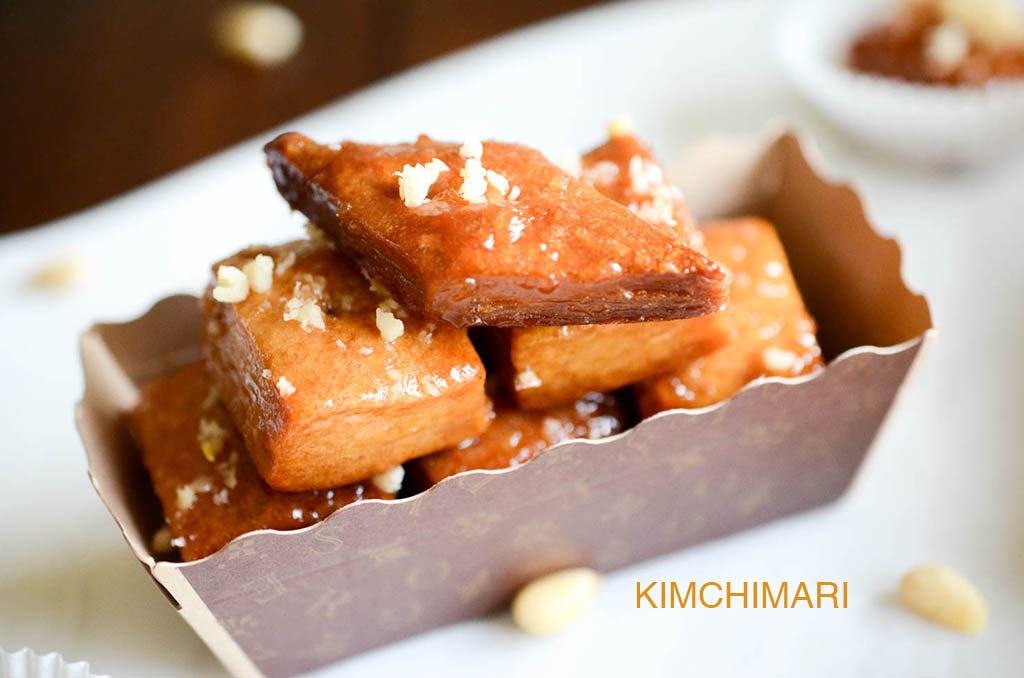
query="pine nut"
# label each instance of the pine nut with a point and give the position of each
(551, 603)
(944, 596)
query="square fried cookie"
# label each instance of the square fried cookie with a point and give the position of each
(547, 366)
(328, 379)
(516, 436)
(492, 234)
(207, 485)
(771, 332)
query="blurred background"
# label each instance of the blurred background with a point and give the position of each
(81, 83)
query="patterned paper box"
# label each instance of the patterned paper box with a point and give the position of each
(276, 604)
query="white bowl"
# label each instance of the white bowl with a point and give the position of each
(947, 127)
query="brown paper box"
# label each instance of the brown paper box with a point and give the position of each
(277, 603)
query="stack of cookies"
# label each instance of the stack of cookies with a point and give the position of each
(456, 306)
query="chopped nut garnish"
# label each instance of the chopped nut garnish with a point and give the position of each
(284, 387)
(211, 437)
(285, 263)
(778, 360)
(472, 149)
(390, 327)
(644, 174)
(232, 285)
(474, 182)
(620, 126)
(527, 379)
(260, 273)
(186, 497)
(498, 181)
(414, 181)
(516, 226)
(774, 269)
(389, 481)
(602, 172)
(211, 399)
(571, 163)
(229, 470)
(306, 311)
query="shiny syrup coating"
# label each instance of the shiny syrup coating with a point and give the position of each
(635, 189)
(230, 498)
(572, 360)
(355, 404)
(515, 436)
(771, 332)
(558, 253)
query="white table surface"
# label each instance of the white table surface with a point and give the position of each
(942, 484)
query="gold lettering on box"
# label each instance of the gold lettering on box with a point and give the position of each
(328, 541)
(476, 482)
(401, 614)
(329, 645)
(329, 602)
(240, 627)
(700, 489)
(752, 501)
(613, 552)
(239, 549)
(474, 527)
(474, 586)
(625, 508)
(258, 652)
(387, 553)
(428, 575)
(536, 535)
(680, 463)
(265, 588)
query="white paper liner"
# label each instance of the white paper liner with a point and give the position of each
(27, 664)
(947, 127)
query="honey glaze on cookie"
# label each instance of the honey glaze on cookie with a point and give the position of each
(492, 234)
(207, 485)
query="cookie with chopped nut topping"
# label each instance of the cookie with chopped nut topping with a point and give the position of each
(492, 234)
(207, 485)
(548, 366)
(770, 331)
(327, 377)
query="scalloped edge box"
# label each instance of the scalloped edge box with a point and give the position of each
(278, 603)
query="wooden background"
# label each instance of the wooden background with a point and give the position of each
(99, 96)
